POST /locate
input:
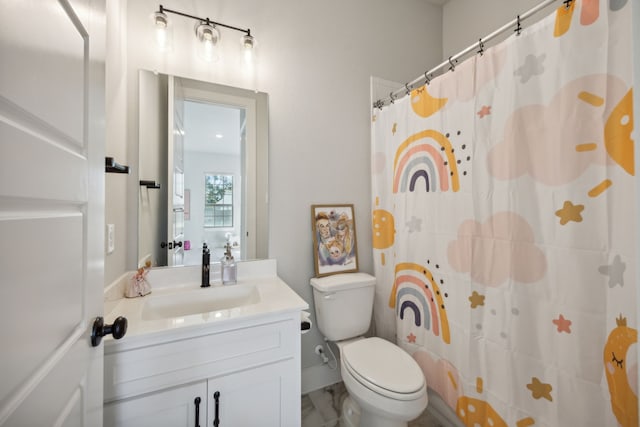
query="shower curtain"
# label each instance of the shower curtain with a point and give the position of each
(504, 225)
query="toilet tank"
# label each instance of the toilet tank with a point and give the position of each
(344, 304)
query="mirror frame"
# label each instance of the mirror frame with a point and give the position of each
(258, 220)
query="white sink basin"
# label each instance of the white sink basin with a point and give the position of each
(199, 300)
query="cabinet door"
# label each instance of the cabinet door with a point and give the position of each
(171, 408)
(265, 397)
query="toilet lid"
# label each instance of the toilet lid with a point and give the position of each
(384, 368)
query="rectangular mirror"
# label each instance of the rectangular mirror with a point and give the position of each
(205, 147)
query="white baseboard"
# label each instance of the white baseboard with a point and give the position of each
(318, 376)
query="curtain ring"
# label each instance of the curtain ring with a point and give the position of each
(406, 86)
(518, 29)
(427, 79)
(481, 46)
(452, 66)
(391, 97)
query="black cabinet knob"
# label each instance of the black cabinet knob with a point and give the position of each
(118, 329)
(177, 244)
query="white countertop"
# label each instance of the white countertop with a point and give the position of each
(275, 297)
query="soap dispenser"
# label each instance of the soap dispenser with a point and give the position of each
(228, 268)
(206, 265)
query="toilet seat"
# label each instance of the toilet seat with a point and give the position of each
(384, 368)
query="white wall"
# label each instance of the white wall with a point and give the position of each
(116, 203)
(466, 21)
(315, 60)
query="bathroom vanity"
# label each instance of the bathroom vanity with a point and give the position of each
(218, 356)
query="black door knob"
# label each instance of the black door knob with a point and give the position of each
(117, 329)
(177, 244)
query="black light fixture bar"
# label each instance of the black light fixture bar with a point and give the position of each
(207, 20)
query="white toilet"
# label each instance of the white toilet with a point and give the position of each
(385, 382)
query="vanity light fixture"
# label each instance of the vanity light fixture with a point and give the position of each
(206, 31)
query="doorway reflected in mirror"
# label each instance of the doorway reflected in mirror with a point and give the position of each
(207, 146)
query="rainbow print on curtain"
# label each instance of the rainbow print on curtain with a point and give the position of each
(504, 226)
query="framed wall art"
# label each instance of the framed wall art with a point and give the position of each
(334, 239)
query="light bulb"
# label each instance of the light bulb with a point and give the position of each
(160, 22)
(208, 35)
(207, 50)
(248, 43)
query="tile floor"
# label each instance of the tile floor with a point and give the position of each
(321, 408)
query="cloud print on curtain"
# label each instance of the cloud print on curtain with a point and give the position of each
(503, 247)
(504, 225)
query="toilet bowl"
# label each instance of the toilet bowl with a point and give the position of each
(350, 413)
(385, 382)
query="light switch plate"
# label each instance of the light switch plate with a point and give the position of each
(111, 237)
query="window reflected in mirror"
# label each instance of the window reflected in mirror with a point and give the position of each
(218, 203)
(207, 146)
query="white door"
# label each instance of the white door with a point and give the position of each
(51, 211)
(175, 214)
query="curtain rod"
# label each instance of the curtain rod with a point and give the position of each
(419, 81)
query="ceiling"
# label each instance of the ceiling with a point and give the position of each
(211, 128)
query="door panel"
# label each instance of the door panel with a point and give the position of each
(48, 151)
(61, 395)
(50, 66)
(51, 211)
(175, 167)
(53, 240)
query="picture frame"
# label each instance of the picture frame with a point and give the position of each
(334, 239)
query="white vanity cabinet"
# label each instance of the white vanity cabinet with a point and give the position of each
(253, 398)
(172, 407)
(252, 367)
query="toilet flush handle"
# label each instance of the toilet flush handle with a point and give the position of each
(329, 295)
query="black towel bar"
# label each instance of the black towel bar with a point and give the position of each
(149, 184)
(112, 166)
